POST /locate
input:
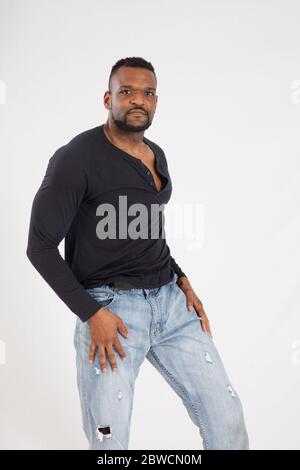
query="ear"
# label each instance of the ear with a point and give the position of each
(107, 100)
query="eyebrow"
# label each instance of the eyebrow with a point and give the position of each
(130, 86)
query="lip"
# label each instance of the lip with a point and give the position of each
(137, 112)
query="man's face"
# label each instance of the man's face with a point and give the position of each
(132, 88)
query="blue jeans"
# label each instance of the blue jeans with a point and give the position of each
(162, 329)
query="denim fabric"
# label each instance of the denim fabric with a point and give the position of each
(163, 330)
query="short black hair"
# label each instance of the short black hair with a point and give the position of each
(131, 62)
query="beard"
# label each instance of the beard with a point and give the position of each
(124, 125)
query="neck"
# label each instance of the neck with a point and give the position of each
(132, 140)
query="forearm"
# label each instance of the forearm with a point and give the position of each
(53, 209)
(177, 269)
(55, 271)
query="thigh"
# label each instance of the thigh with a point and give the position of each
(107, 398)
(188, 359)
(133, 312)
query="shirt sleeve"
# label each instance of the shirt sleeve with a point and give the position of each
(176, 268)
(54, 206)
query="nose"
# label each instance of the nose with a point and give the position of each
(137, 99)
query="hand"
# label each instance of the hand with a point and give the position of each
(192, 301)
(103, 331)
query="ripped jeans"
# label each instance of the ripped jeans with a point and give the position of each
(163, 330)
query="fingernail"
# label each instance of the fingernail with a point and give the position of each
(190, 307)
(104, 370)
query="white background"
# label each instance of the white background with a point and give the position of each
(228, 119)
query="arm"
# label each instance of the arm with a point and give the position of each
(176, 268)
(178, 271)
(192, 300)
(53, 209)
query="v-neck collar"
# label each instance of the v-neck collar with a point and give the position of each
(145, 140)
(136, 159)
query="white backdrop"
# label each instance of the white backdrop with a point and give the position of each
(228, 119)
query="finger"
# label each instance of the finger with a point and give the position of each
(206, 321)
(206, 324)
(92, 351)
(203, 324)
(112, 357)
(199, 309)
(122, 328)
(102, 357)
(190, 301)
(208, 328)
(119, 348)
(203, 319)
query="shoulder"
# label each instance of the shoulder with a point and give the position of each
(84, 139)
(75, 153)
(153, 144)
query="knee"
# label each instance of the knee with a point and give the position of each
(105, 438)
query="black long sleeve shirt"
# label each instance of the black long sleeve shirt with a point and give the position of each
(83, 174)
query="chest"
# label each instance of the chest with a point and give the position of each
(143, 177)
(148, 159)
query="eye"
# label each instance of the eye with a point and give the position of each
(124, 91)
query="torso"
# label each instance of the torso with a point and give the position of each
(148, 158)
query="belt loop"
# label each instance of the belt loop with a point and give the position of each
(144, 292)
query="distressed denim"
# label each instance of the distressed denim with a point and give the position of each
(163, 330)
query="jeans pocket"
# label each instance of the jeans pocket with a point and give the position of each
(104, 295)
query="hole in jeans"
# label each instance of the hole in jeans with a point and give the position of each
(103, 432)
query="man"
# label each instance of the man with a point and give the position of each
(131, 298)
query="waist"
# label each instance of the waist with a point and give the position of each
(121, 285)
